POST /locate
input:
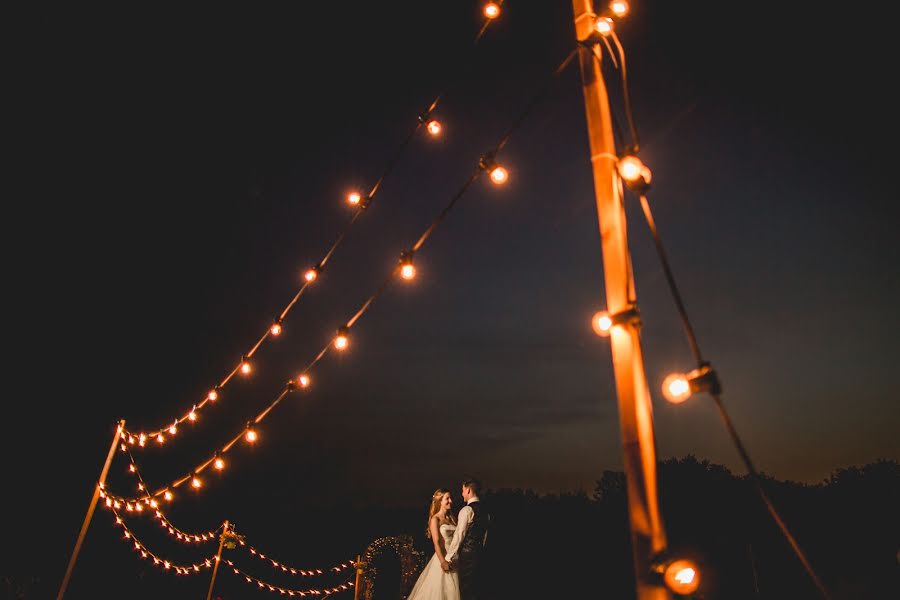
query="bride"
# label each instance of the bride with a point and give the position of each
(435, 583)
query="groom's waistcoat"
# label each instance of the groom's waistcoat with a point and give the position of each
(477, 530)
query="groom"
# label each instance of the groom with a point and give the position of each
(467, 546)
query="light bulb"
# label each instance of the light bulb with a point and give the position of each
(192, 416)
(311, 275)
(341, 340)
(676, 388)
(491, 10)
(633, 171)
(196, 482)
(499, 175)
(275, 329)
(213, 395)
(619, 8)
(173, 429)
(354, 198)
(160, 438)
(682, 577)
(251, 435)
(602, 323)
(408, 272)
(245, 367)
(433, 127)
(219, 464)
(132, 468)
(168, 495)
(303, 380)
(603, 25)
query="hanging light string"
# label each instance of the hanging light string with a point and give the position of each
(348, 564)
(264, 585)
(163, 564)
(636, 178)
(498, 176)
(275, 329)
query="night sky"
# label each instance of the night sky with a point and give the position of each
(174, 173)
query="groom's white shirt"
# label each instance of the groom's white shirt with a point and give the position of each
(466, 514)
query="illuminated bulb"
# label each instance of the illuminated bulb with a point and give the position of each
(676, 388)
(192, 416)
(141, 439)
(219, 464)
(160, 438)
(213, 395)
(123, 447)
(311, 275)
(491, 10)
(303, 380)
(341, 341)
(634, 172)
(129, 507)
(141, 486)
(602, 323)
(407, 268)
(195, 481)
(499, 175)
(354, 198)
(139, 507)
(604, 26)
(682, 577)
(251, 435)
(168, 495)
(153, 504)
(619, 8)
(131, 440)
(116, 504)
(132, 468)
(245, 367)
(433, 127)
(173, 429)
(275, 329)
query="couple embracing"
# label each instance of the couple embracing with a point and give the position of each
(456, 571)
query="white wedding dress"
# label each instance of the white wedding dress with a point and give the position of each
(434, 583)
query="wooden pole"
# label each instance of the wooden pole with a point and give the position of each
(635, 410)
(359, 568)
(90, 511)
(222, 537)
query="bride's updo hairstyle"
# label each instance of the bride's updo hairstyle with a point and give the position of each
(436, 498)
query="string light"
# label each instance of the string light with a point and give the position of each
(250, 434)
(311, 274)
(168, 496)
(635, 174)
(603, 322)
(245, 367)
(192, 416)
(499, 175)
(354, 198)
(491, 10)
(260, 584)
(619, 8)
(276, 328)
(407, 268)
(173, 428)
(681, 576)
(196, 482)
(294, 570)
(213, 394)
(219, 462)
(145, 553)
(433, 127)
(603, 26)
(678, 387)
(303, 380)
(342, 340)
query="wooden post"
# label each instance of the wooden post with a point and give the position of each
(359, 568)
(90, 511)
(222, 537)
(635, 410)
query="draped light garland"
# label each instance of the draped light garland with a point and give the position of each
(162, 563)
(264, 585)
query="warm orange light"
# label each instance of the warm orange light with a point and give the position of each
(275, 329)
(141, 486)
(153, 504)
(682, 577)
(354, 198)
(676, 388)
(168, 495)
(139, 507)
(160, 438)
(341, 340)
(499, 175)
(195, 481)
(602, 323)
(408, 271)
(603, 25)
(491, 10)
(129, 507)
(108, 502)
(251, 435)
(213, 395)
(245, 367)
(433, 128)
(303, 380)
(311, 275)
(633, 170)
(173, 429)
(219, 464)
(142, 439)
(132, 468)
(619, 8)
(192, 416)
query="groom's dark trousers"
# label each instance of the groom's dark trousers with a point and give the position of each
(471, 555)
